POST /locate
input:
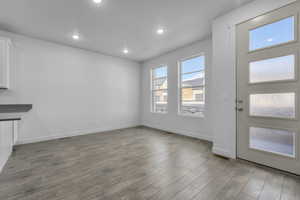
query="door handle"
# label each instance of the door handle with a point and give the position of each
(239, 108)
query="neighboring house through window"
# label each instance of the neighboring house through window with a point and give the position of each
(159, 89)
(192, 86)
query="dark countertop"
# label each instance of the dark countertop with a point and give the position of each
(15, 108)
(11, 119)
(10, 112)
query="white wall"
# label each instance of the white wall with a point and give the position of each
(191, 126)
(223, 72)
(72, 91)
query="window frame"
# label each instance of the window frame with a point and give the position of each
(152, 90)
(179, 86)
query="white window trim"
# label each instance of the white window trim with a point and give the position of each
(179, 113)
(151, 89)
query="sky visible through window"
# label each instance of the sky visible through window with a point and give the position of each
(192, 65)
(276, 33)
(195, 64)
(160, 72)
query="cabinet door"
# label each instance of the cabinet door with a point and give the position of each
(6, 141)
(15, 131)
(4, 62)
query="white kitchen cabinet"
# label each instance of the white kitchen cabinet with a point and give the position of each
(15, 131)
(6, 141)
(5, 56)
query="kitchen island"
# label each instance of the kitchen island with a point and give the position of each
(10, 114)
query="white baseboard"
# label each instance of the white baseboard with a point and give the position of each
(2, 163)
(197, 135)
(70, 134)
(223, 152)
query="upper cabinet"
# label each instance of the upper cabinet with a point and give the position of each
(5, 49)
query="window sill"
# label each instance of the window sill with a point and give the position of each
(159, 113)
(191, 115)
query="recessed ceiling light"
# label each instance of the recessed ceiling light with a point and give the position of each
(97, 1)
(75, 36)
(160, 31)
(125, 51)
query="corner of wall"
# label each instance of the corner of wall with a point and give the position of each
(219, 150)
(140, 117)
(193, 134)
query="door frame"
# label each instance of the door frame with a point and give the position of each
(297, 76)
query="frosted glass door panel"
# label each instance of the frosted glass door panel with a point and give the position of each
(274, 69)
(272, 140)
(280, 105)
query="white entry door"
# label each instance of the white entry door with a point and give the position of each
(268, 89)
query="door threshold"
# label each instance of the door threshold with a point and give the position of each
(268, 168)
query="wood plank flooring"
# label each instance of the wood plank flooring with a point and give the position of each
(136, 164)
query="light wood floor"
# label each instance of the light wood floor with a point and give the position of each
(136, 164)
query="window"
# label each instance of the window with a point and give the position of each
(279, 32)
(280, 105)
(273, 69)
(192, 86)
(159, 89)
(272, 140)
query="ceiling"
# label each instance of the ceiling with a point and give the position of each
(115, 24)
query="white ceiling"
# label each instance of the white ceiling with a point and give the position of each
(116, 23)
